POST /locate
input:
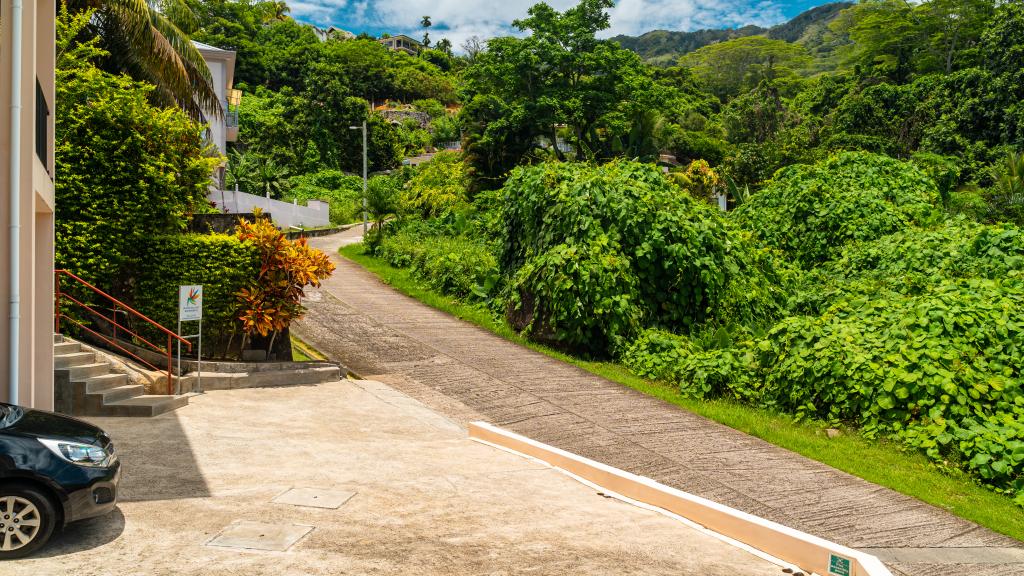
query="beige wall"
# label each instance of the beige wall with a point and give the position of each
(36, 194)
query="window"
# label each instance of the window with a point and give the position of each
(42, 127)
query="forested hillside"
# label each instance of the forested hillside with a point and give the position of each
(662, 47)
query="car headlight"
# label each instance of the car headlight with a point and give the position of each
(80, 454)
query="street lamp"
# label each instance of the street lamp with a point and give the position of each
(363, 128)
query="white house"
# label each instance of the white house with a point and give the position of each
(221, 62)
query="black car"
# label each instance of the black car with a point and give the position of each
(53, 470)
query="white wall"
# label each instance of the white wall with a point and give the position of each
(315, 214)
(218, 130)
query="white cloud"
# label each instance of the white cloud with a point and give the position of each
(457, 20)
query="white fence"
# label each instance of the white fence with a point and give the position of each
(315, 214)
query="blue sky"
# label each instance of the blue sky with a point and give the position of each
(461, 19)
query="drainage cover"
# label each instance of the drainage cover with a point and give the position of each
(314, 498)
(259, 536)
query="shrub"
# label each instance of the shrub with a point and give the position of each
(811, 211)
(222, 264)
(584, 296)
(624, 219)
(273, 299)
(941, 370)
(438, 187)
(456, 266)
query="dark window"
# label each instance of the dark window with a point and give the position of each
(42, 127)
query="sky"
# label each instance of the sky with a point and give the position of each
(458, 20)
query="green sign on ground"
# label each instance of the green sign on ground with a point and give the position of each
(838, 566)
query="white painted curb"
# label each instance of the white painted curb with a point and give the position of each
(811, 553)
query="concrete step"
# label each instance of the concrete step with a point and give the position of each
(105, 382)
(112, 395)
(66, 348)
(148, 405)
(86, 371)
(73, 359)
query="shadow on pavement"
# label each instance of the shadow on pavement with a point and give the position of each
(157, 459)
(84, 535)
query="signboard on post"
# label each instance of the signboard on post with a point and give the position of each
(190, 308)
(190, 303)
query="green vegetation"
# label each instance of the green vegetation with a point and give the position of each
(878, 461)
(870, 274)
(128, 169)
(222, 264)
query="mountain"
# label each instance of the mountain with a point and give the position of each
(665, 47)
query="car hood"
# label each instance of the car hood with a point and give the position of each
(40, 424)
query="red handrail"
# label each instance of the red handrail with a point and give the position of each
(119, 307)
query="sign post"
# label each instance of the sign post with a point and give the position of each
(190, 309)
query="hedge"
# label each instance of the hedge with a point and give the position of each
(222, 264)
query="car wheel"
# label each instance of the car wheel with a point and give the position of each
(27, 518)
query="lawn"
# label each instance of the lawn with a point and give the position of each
(880, 462)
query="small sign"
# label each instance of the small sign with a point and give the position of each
(839, 566)
(190, 303)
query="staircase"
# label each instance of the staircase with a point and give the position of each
(86, 385)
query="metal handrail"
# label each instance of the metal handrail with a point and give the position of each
(121, 307)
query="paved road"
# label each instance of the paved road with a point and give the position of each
(468, 373)
(428, 501)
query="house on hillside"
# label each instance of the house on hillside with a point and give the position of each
(221, 63)
(332, 33)
(26, 184)
(402, 43)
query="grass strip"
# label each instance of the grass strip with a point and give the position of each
(879, 461)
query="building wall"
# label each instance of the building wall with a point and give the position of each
(35, 191)
(218, 130)
(315, 214)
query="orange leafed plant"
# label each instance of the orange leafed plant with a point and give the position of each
(287, 267)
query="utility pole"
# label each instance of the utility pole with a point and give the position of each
(365, 218)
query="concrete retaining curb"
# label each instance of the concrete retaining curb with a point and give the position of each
(268, 379)
(811, 553)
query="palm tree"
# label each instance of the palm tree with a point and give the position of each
(1007, 192)
(148, 40)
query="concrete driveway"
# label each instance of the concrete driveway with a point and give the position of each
(427, 500)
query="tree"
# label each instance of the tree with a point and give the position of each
(885, 33)
(523, 89)
(736, 66)
(473, 46)
(149, 41)
(129, 170)
(425, 23)
(1006, 196)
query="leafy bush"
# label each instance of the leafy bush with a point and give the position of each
(624, 226)
(941, 370)
(457, 266)
(579, 295)
(222, 264)
(273, 299)
(811, 211)
(438, 187)
(128, 169)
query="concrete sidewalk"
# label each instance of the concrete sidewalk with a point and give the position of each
(427, 500)
(468, 373)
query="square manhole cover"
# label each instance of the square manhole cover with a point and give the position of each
(314, 498)
(259, 536)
